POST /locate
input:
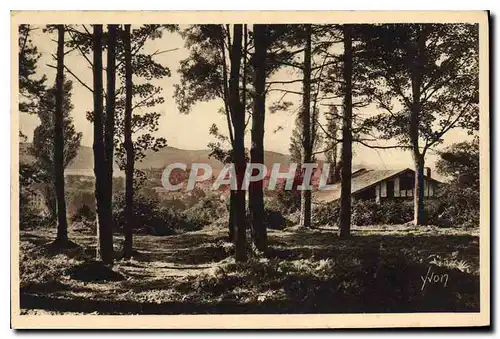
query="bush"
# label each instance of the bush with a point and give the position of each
(364, 212)
(29, 219)
(148, 216)
(275, 219)
(366, 283)
(83, 213)
(459, 206)
(39, 266)
(84, 219)
(394, 212)
(326, 214)
(76, 198)
(205, 211)
(153, 217)
(368, 212)
(286, 201)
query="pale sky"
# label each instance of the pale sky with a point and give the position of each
(191, 131)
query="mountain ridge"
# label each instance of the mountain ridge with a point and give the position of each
(84, 158)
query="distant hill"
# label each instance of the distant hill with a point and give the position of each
(84, 160)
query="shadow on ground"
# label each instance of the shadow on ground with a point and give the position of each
(303, 272)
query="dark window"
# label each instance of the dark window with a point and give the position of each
(390, 189)
(406, 182)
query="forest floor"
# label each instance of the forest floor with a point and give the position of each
(378, 269)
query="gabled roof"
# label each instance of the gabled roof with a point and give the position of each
(360, 181)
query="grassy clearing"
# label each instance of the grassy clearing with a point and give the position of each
(379, 269)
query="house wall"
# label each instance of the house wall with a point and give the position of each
(403, 189)
(381, 189)
(397, 192)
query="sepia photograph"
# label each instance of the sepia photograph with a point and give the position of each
(250, 169)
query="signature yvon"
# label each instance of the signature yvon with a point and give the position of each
(433, 278)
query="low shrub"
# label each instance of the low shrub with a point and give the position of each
(364, 212)
(368, 212)
(40, 268)
(394, 212)
(149, 217)
(77, 198)
(275, 220)
(83, 213)
(29, 220)
(366, 284)
(154, 217)
(326, 214)
(459, 206)
(31, 214)
(285, 201)
(205, 211)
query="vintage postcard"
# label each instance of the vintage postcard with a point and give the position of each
(179, 170)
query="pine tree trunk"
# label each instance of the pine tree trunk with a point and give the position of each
(259, 232)
(129, 148)
(109, 126)
(49, 194)
(346, 171)
(238, 120)
(105, 239)
(225, 90)
(334, 165)
(418, 157)
(332, 153)
(231, 222)
(62, 223)
(305, 195)
(418, 201)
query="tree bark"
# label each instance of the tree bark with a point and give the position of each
(62, 223)
(109, 125)
(238, 120)
(129, 148)
(418, 157)
(346, 171)
(418, 201)
(225, 91)
(305, 195)
(231, 222)
(259, 232)
(332, 155)
(105, 235)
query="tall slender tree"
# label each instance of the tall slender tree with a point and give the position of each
(143, 124)
(109, 125)
(105, 235)
(42, 147)
(256, 193)
(346, 171)
(129, 147)
(425, 80)
(205, 76)
(30, 85)
(62, 222)
(237, 110)
(305, 196)
(331, 155)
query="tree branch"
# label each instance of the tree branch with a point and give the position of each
(284, 81)
(80, 49)
(382, 147)
(73, 74)
(283, 91)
